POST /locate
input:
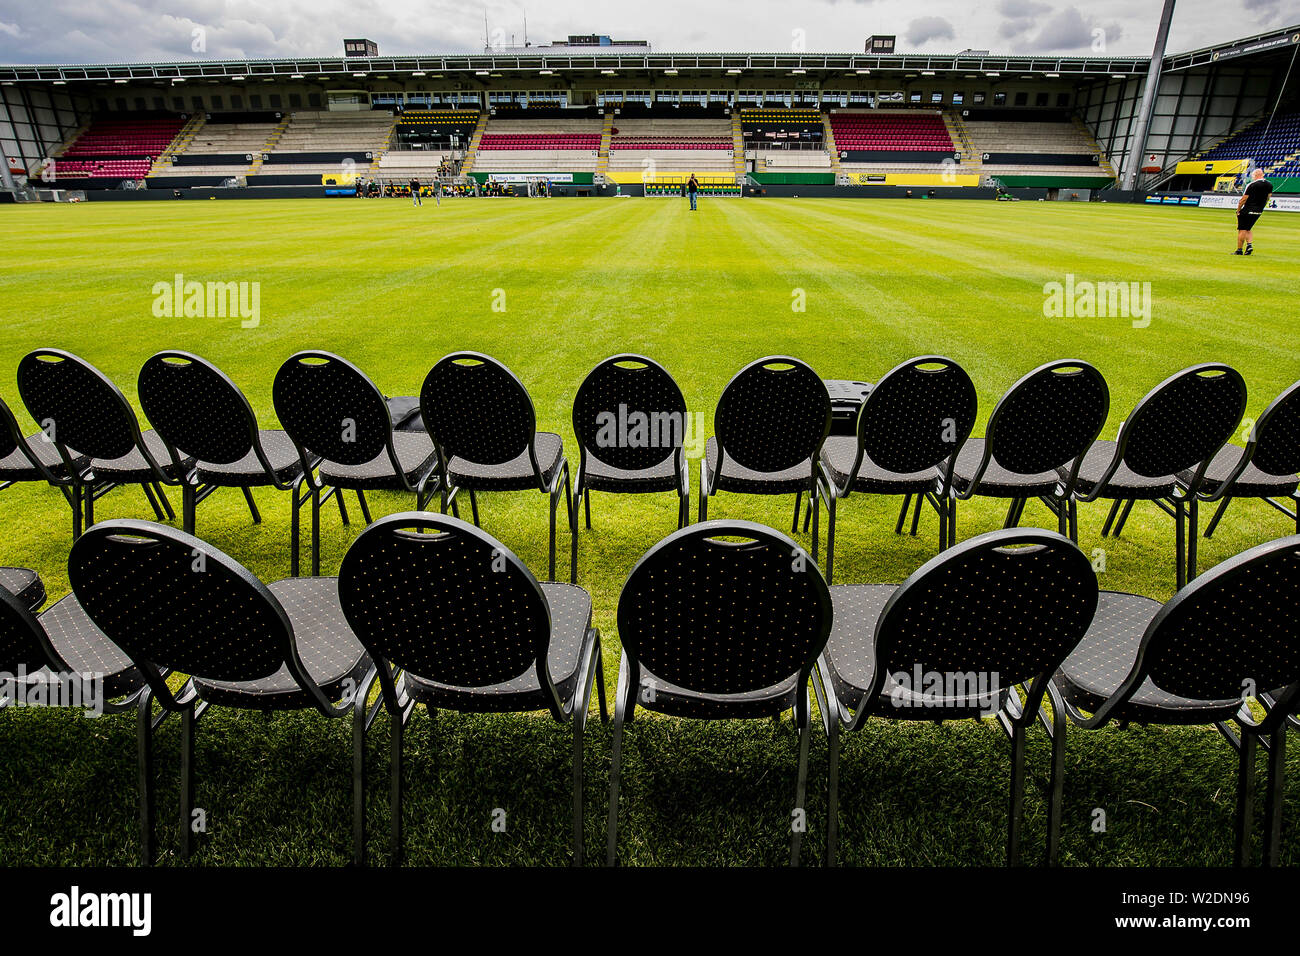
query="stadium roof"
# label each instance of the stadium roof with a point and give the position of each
(484, 67)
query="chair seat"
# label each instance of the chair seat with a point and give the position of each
(837, 458)
(16, 467)
(24, 584)
(85, 649)
(329, 651)
(736, 477)
(131, 467)
(661, 477)
(514, 475)
(570, 625)
(850, 665)
(1125, 483)
(997, 481)
(1253, 483)
(415, 454)
(248, 471)
(1105, 656)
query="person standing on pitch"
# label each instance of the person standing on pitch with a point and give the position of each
(437, 193)
(415, 192)
(693, 189)
(1253, 203)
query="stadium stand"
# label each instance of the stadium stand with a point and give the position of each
(1061, 150)
(550, 143)
(118, 148)
(672, 145)
(1273, 145)
(223, 145)
(891, 135)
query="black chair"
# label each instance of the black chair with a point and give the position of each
(993, 612)
(80, 408)
(173, 602)
(454, 620)
(24, 584)
(1225, 638)
(482, 422)
(1037, 433)
(716, 629)
(340, 424)
(630, 419)
(37, 458)
(769, 428)
(1266, 468)
(59, 657)
(916, 418)
(203, 417)
(1176, 429)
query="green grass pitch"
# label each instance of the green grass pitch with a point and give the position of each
(550, 288)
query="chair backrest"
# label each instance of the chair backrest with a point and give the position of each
(1232, 632)
(1184, 420)
(1276, 435)
(629, 413)
(724, 616)
(23, 642)
(442, 599)
(77, 405)
(196, 409)
(331, 409)
(171, 601)
(773, 415)
(1008, 604)
(1048, 418)
(11, 436)
(918, 415)
(477, 409)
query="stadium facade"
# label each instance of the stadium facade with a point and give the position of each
(620, 118)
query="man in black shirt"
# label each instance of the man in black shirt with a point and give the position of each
(693, 188)
(1253, 202)
(415, 192)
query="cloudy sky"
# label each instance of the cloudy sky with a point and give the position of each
(116, 31)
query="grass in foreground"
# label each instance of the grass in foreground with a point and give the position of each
(393, 288)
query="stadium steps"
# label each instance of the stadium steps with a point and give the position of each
(269, 145)
(167, 157)
(69, 140)
(737, 146)
(1103, 161)
(468, 165)
(970, 157)
(379, 153)
(602, 159)
(828, 137)
(1286, 160)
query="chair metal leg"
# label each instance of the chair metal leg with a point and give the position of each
(815, 501)
(578, 822)
(1192, 521)
(189, 505)
(1245, 797)
(1016, 812)
(162, 497)
(902, 514)
(144, 749)
(395, 791)
(833, 794)
(952, 523)
(343, 506)
(794, 523)
(315, 532)
(1123, 516)
(616, 762)
(916, 514)
(252, 505)
(1218, 516)
(76, 502)
(1074, 521)
(148, 493)
(295, 531)
(586, 503)
(89, 490)
(1110, 517)
(1273, 797)
(358, 786)
(1180, 545)
(801, 789)
(830, 538)
(187, 782)
(473, 506)
(555, 501)
(365, 508)
(1056, 784)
